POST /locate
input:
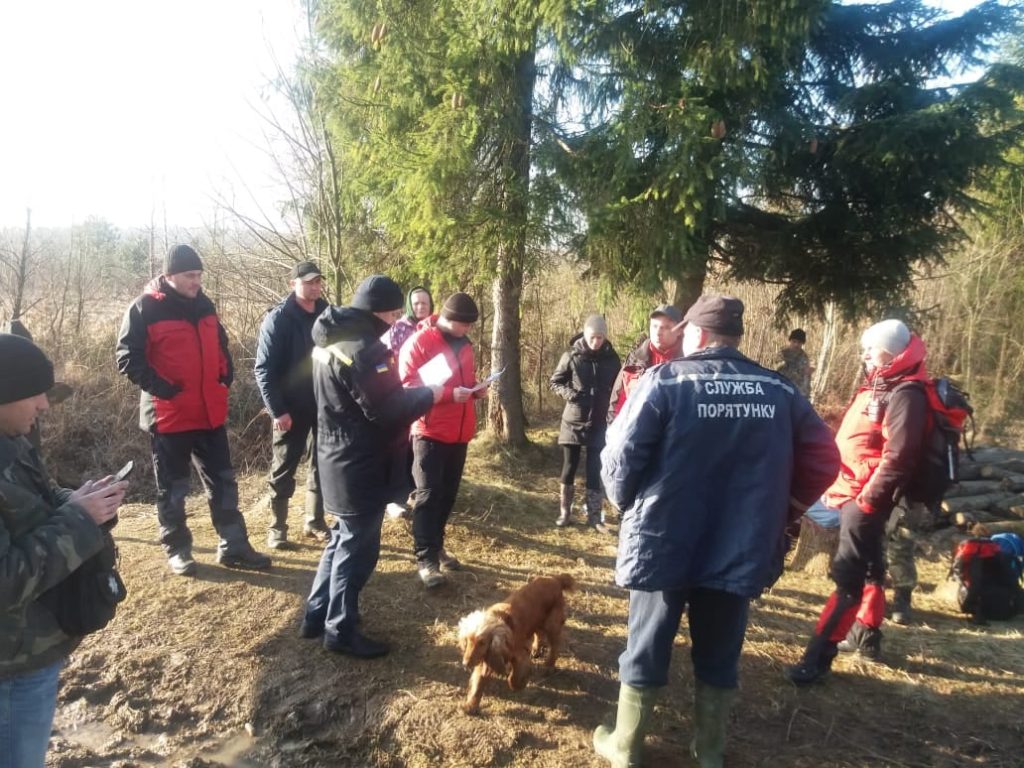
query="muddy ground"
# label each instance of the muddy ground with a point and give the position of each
(209, 671)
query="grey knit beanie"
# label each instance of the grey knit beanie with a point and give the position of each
(596, 325)
(891, 335)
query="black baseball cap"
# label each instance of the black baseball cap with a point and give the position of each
(306, 271)
(721, 314)
(667, 310)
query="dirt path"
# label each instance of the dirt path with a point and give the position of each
(210, 671)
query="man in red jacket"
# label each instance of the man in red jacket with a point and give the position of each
(440, 353)
(881, 443)
(174, 348)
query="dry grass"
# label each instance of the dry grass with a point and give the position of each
(188, 663)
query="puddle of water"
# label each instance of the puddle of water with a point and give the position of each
(91, 734)
(229, 752)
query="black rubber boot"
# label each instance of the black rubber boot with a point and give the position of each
(277, 534)
(566, 496)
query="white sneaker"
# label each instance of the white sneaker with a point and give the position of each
(395, 511)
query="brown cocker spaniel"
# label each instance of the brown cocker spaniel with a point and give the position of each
(498, 641)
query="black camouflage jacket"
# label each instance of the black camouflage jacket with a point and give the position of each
(43, 538)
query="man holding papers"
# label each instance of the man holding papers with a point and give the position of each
(440, 354)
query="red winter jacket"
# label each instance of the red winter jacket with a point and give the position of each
(447, 421)
(176, 351)
(879, 458)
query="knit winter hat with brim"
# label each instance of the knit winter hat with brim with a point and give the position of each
(460, 308)
(596, 325)
(891, 335)
(26, 371)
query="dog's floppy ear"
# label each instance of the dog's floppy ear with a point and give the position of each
(499, 650)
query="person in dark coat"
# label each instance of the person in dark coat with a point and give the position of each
(709, 460)
(363, 420)
(284, 374)
(584, 379)
(47, 533)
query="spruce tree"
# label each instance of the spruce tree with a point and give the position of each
(801, 143)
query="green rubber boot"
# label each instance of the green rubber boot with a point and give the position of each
(623, 746)
(711, 717)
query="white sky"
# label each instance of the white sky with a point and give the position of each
(117, 108)
(111, 106)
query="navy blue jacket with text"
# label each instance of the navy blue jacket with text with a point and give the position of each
(709, 459)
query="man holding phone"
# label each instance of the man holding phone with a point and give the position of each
(46, 533)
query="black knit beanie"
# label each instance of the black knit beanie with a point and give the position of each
(26, 372)
(182, 258)
(378, 293)
(460, 308)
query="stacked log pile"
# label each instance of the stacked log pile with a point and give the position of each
(990, 495)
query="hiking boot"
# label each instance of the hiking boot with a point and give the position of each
(448, 561)
(182, 564)
(901, 611)
(623, 746)
(316, 529)
(565, 505)
(244, 557)
(396, 511)
(431, 576)
(816, 663)
(358, 645)
(863, 640)
(310, 630)
(278, 540)
(711, 718)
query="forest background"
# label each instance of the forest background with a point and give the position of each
(830, 164)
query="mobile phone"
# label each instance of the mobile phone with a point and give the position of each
(124, 471)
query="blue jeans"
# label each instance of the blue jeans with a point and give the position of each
(347, 563)
(27, 704)
(717, 620)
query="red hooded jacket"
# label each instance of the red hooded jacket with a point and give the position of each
(879, 456)
(448, 421)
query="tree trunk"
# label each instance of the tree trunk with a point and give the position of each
(689, 286)
(815, 548)
(505, 407)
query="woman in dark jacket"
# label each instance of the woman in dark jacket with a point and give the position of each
(584, 379)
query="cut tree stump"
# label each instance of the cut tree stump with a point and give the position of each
(815, 548)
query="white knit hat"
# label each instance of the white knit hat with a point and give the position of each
(891, 335)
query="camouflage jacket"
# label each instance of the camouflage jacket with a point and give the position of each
(796, 367)
(43, 538)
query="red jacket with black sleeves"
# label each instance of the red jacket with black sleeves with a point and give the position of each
(175, 349)
(448, 421)
(880, 456)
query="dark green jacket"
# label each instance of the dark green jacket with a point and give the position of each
(43, 538)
